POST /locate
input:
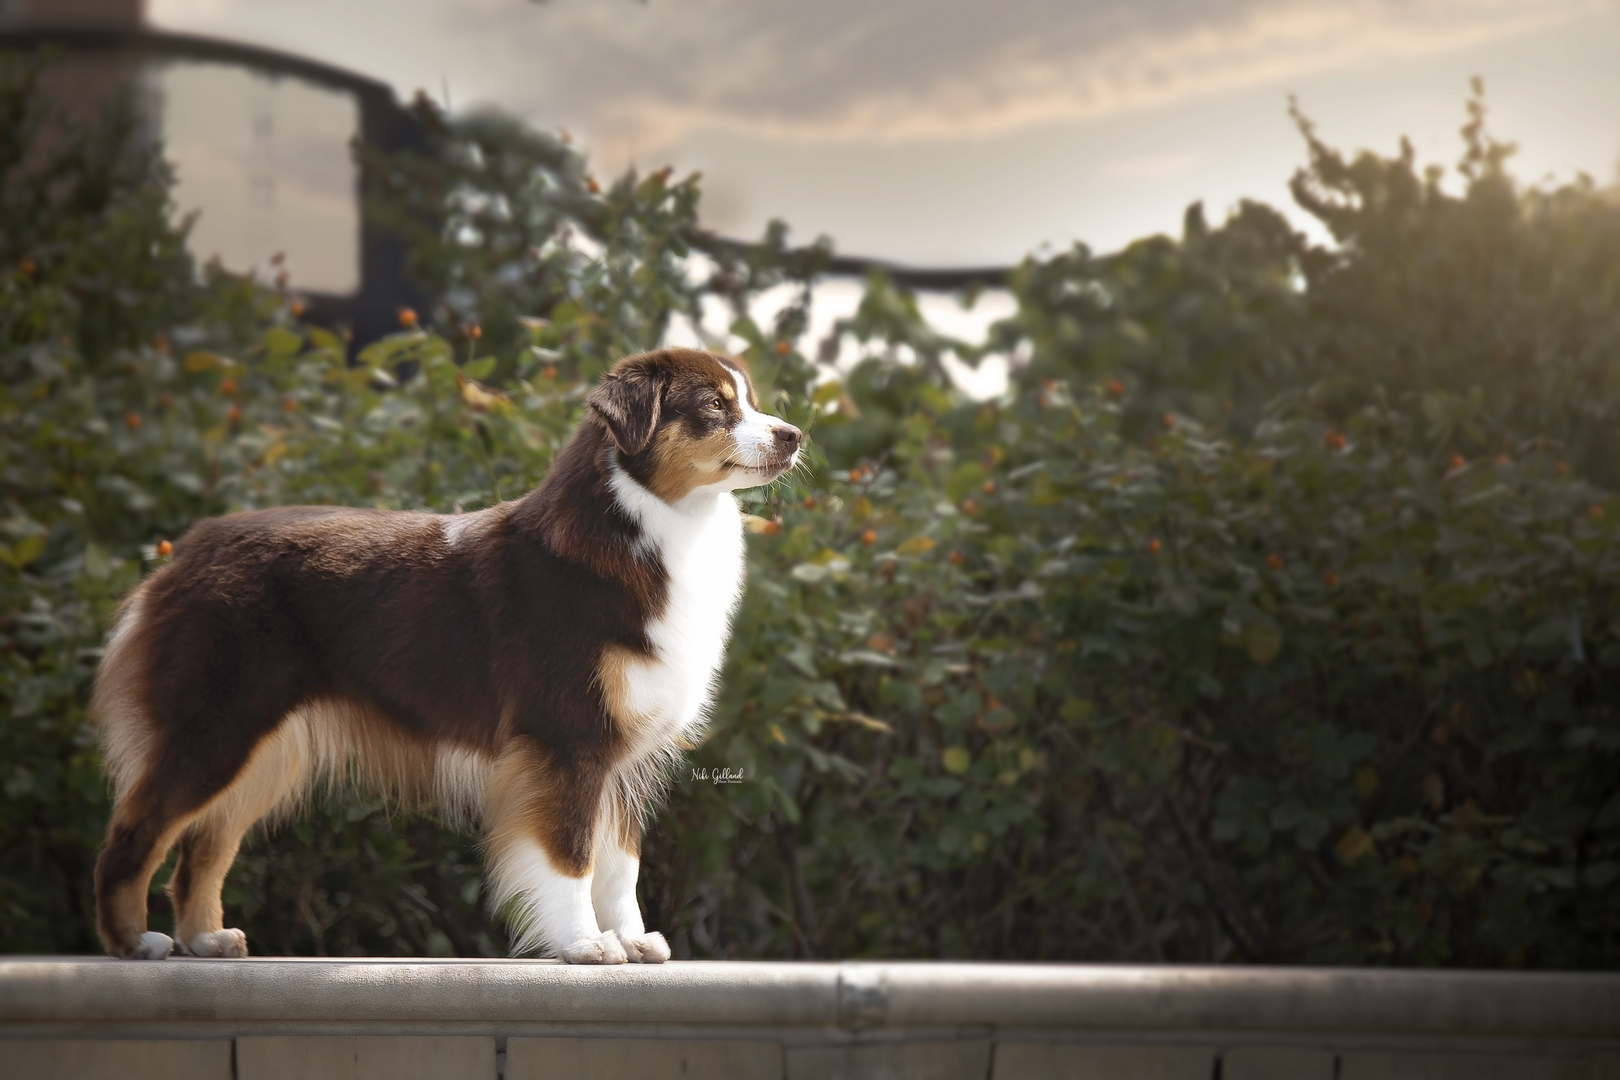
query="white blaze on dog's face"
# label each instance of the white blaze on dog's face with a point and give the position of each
(704, 428)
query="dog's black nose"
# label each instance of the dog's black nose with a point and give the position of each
(787, 439)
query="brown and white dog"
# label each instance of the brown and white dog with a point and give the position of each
(528, 668)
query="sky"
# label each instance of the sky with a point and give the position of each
(949, 132)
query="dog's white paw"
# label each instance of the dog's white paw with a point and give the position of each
(649, 948)
(153, 946)
(602, 949)
(230, 942)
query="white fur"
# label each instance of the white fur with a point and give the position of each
(613, 895)
(553, 909)
(457, 526)
(126, 733)
(593, 919)
(755, 437)
(153, 946)
(232, 943)
(699, 541)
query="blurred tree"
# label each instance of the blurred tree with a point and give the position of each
(1268, 616)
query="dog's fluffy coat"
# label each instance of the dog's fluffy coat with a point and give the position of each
(527, 669)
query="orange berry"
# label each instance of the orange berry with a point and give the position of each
(1501, 459)
(969, 507)
(855, 474)
(132, 420)
(475, 331)
(957, 558)
(164, 549)
(234, 414)
(1155, 546)
(592, 186)
(548, 372)
(407, 317)
(783, 348)
(1330, 579)
(227, 385)
(989, 487)
(1457, 461)
(1274, 561)
(772, 528)
(1334, 440)
(880, 643)
(1169, 421)
(809, 502)
(289, 405)
(869, 537)
(1116, 388)
(297, 309)
(27, 267)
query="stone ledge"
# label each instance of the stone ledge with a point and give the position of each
(40, 992)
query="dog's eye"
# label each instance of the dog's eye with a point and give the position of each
(717, 404)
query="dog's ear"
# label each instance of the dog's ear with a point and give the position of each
(628, 400)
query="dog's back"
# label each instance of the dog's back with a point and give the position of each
(525, 667)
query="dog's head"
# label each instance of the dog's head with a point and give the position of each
(685, 421)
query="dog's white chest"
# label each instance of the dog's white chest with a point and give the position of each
(702, 555)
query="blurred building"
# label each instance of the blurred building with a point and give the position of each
(261, 143)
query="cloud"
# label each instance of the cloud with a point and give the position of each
(640, 78)
(1035, 70)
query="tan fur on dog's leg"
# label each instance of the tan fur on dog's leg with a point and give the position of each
(540, 858)
(138, 840)
(279, 769)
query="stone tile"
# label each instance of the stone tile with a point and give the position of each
(949, 1059)
(642, 1059)
(365, 1057)
(115, 1059)
(1276, 1063)
(1089, 1061)
(1420, 1065)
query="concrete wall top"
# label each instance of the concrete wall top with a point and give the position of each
(851, 995)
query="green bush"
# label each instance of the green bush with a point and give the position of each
(1270, 616)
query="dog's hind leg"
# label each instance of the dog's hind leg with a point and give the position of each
(279, 770)
(144, 827)
(542, 832)
(181, 782)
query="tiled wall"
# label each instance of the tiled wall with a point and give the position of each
(402, 1057)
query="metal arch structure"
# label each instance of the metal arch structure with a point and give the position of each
(372, 311)
(386, 126)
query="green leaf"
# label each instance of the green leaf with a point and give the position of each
(281, 343)
(96, 563)
(23, 552)
(1262, 642)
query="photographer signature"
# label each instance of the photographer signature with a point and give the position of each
(719, 776)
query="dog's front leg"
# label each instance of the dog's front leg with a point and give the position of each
(542, 833)
(613, 893)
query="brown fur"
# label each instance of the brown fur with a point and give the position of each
(474, 668)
